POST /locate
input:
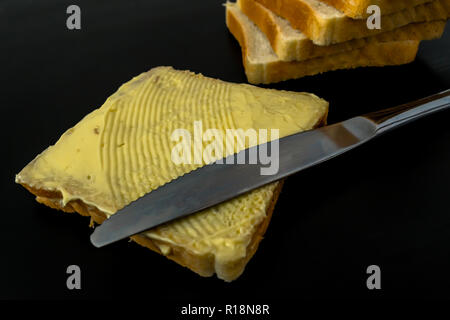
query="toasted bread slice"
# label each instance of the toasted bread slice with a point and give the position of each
(357, 9)
(124, 150)
(291, 44)
(325, 25)
(262, 65)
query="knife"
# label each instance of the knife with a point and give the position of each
(216, 183)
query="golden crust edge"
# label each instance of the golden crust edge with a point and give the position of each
(287, 52)
(276, 71)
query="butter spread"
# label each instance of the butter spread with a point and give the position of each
(122, 150)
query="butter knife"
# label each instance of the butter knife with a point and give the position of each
(215, 183)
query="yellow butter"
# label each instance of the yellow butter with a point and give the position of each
(122, 151)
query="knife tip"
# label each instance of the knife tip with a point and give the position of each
(96, 240)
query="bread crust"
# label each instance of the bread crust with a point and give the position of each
(300, 15)
(256, 13)
(305, 49)
(358, 9)
(304, 17)
(383, 54)
(200, 264)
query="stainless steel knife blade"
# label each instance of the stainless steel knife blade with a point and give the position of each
(215, 183)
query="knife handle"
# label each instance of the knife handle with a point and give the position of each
(391, 118)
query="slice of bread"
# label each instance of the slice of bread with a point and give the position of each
(124, 150)
(262, 65)
(291, 44)
(325, 25)
(357, 9)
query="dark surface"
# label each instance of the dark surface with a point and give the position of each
(386, 203)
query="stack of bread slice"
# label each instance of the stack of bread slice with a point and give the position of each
(288, 39)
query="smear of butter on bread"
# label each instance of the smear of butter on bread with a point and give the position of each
(122, 151)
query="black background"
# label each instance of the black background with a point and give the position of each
(385, 203)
